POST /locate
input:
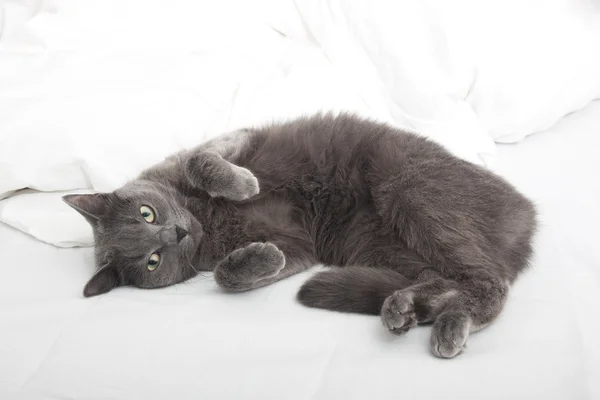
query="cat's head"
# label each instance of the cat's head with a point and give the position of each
(143, 237)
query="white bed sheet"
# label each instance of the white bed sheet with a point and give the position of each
(193, 341)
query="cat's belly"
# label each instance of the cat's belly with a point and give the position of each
(343, 226)
(324, 226)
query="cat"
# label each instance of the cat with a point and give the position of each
(422, 235)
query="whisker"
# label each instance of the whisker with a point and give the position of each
(191, 266)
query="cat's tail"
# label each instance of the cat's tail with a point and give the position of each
(351, 289)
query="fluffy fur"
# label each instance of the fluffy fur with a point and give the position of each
(423, 235)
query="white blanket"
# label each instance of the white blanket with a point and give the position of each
(92, 92)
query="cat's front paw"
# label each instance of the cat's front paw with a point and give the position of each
(248, 265)
(243, 186)
(398, 312)
(220, 178)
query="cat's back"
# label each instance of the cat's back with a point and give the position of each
(328, 149)
(329, 139)
(342, 160)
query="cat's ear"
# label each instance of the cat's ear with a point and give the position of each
(91, 206)
(106, 279)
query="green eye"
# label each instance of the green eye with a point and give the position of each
(154, 261)
(148, 214)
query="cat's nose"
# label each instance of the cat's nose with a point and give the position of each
(181, 233)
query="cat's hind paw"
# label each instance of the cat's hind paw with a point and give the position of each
(450, 333)
(397, 312)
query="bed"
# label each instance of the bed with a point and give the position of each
(65, 77)
(194, 341)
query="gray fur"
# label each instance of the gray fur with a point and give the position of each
(244, 268)
(206, 167)
(426, 236)
(352, 289)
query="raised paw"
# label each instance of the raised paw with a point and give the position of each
(450, 333)
(220, 178)
(245, 266)
(243, 186)
(397, 312)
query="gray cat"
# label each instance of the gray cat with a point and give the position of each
(422, 235)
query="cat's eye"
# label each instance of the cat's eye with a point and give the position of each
(148, 214)
(154, 261)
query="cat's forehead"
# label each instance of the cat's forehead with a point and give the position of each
(131, 197)
(128, 241)
(139, 189)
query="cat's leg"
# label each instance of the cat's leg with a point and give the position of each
(254, 266)
(478, 302)
(212, 167)
(456, 308)
(472, 228)
(418, 303)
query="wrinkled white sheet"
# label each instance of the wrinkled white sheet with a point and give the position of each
(46, 217)
(91, 92)
(193, 341)
(504, 68)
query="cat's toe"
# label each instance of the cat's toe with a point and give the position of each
(267, 254)
(245, 185)
(397, 313)
(246, 266)
(449, 334)
(220, 178)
